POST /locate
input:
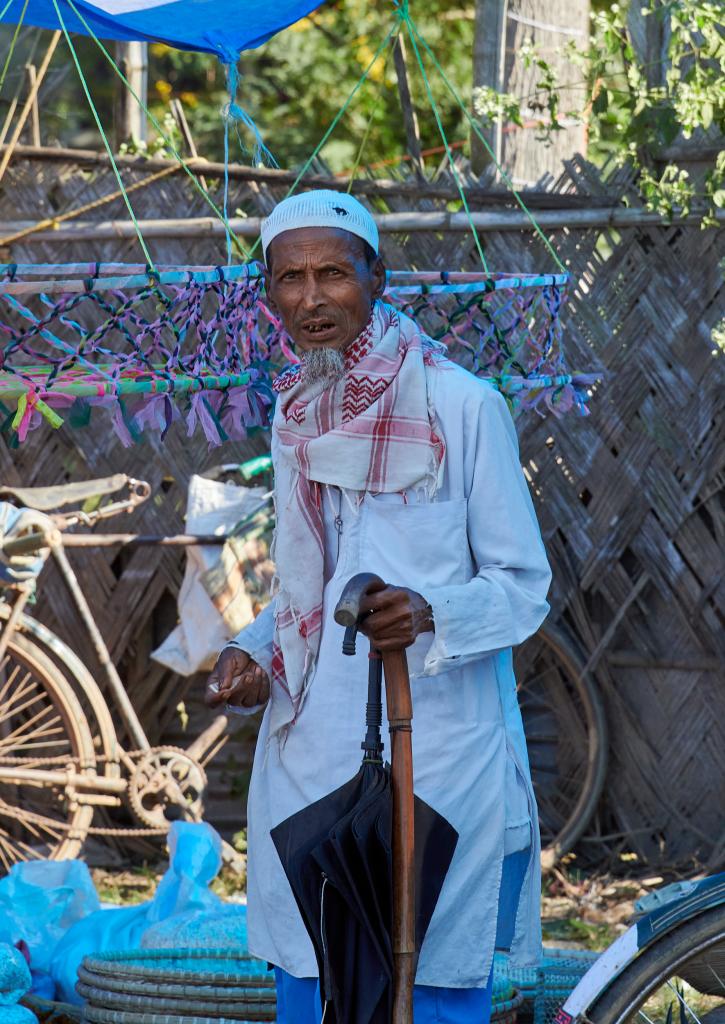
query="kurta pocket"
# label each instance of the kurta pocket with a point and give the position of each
(416, 545)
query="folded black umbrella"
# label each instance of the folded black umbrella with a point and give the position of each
(337, 855)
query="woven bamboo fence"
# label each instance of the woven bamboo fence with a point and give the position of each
(628, 498)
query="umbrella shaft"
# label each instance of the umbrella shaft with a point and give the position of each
(373, 742)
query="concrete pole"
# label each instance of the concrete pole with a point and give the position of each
(489, 55)
(129, 119)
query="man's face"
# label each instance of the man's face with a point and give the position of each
(320, 283)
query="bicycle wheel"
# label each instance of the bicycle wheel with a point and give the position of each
(680, 978)
(566, 734)
(84, 686)
(42, 726)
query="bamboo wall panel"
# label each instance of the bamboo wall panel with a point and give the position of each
(629, 498)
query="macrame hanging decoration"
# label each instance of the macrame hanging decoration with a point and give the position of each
(200, 344)
(157, 344)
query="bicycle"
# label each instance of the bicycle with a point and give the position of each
(566, 735)
(670, 964)
(56, 795)
(60, 753)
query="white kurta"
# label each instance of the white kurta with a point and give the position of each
(476, 555)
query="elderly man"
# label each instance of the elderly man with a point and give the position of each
(390, 459)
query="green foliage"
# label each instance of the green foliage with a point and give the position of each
(718, 331)
(160, 145)
(292, 87)
(296, 83)
(584, 934)
(635, 110)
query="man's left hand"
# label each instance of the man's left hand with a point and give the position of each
(396, 617)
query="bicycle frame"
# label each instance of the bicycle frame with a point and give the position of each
(147, 778)
(53, 539)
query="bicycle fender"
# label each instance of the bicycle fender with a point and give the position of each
(688, 899)
(599, 976)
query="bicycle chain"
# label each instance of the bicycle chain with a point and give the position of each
(63, 826)
(95, 830)
(16, 762)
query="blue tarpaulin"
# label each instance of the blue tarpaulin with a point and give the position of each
(222, 27)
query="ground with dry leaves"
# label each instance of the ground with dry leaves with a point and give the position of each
(586, 913)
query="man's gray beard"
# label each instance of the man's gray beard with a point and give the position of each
(322, 366)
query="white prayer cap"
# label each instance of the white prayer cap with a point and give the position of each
(320, 208)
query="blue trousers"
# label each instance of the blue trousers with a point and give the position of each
(298, 999)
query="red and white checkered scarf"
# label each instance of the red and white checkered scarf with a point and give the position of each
(373, 430)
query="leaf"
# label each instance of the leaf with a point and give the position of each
(601, 103)
(667, 126)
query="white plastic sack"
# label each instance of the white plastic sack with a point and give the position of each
(214, 603)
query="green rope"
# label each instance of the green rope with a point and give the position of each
(106, 143)
(338, 117)
(368, 128)
(441, 130)
(341, 113)
(14, 39)
(175, 153)
(471, 120)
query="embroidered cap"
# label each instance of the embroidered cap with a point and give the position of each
(320, 208)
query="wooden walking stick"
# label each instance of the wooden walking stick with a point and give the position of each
(400, 715)
(349, 612)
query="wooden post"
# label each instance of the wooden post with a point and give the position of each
(502, 27)
(129, 120)
(410, 119)
(489, 52)
(20, 123)
(35, 116)
(177, 109)
(8, 119)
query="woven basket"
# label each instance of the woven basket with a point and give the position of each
(506, 1011)
(556, 964)
(560, 972)
(187, 986)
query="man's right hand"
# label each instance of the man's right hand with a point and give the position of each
(237, 680)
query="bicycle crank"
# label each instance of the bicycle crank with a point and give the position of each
(166, 785)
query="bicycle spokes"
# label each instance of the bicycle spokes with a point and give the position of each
(42, 731)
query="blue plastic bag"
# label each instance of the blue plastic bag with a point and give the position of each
(182, 894)
(14, 976)
(40, 900)
(14, 983)
(18, 1015)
